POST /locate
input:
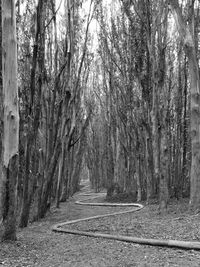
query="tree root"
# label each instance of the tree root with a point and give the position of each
(144, 241)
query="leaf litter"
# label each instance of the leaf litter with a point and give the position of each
(38, 246)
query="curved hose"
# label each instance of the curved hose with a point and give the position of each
(145, 241)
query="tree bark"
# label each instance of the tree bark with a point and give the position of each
(186, 34)
(34, 107)
(10, 123)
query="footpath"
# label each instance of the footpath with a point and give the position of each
(38, 245)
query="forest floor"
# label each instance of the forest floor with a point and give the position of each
(38, 246)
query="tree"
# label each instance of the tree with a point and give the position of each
(186, 32)
(9, 121)
(34, 106)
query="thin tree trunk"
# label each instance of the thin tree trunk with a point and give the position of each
(185, 132)
(178, 167)
(137, 178)
(60, 174)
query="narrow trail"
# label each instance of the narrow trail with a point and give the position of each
(62, 227)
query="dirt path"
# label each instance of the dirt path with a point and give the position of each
(38, 246)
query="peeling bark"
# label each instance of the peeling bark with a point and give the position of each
(10, 123)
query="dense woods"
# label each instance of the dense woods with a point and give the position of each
(100, 90)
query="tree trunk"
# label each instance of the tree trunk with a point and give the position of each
(60, 174)
(164, 162)
(110, 166)
(156, 133)
(185, 133)
(159, 36)
(24, 215)
(48, 181)
(10, 122)
(186, 34)
(35, 106)
(64, 194)
(178, 167)
(137, 178)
